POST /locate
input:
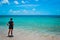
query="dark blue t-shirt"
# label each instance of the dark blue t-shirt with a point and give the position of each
(10, 23)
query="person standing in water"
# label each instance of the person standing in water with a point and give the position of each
(10, 24)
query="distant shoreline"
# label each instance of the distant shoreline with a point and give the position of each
(30, 16)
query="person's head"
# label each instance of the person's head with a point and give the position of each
(11, 19)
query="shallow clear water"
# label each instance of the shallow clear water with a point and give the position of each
(47, 24)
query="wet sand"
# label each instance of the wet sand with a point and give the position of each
(22, 34)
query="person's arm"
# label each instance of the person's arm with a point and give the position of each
(8, 23)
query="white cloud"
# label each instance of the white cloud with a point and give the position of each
(23, 2)
(36, 0)
(29, 5)
(16, 2)
(17, 11)
(14, 11)
(10, 10)
(5, 1)
(33, 9)
(25, 11)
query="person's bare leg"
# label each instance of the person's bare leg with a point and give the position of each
(8, 32)
(11, 31)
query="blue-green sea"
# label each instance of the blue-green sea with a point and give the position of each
(39, 23)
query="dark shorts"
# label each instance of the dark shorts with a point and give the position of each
(10, 27)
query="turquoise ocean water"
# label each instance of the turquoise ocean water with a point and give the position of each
(39, 23)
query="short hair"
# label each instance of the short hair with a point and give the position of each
(10, 18)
